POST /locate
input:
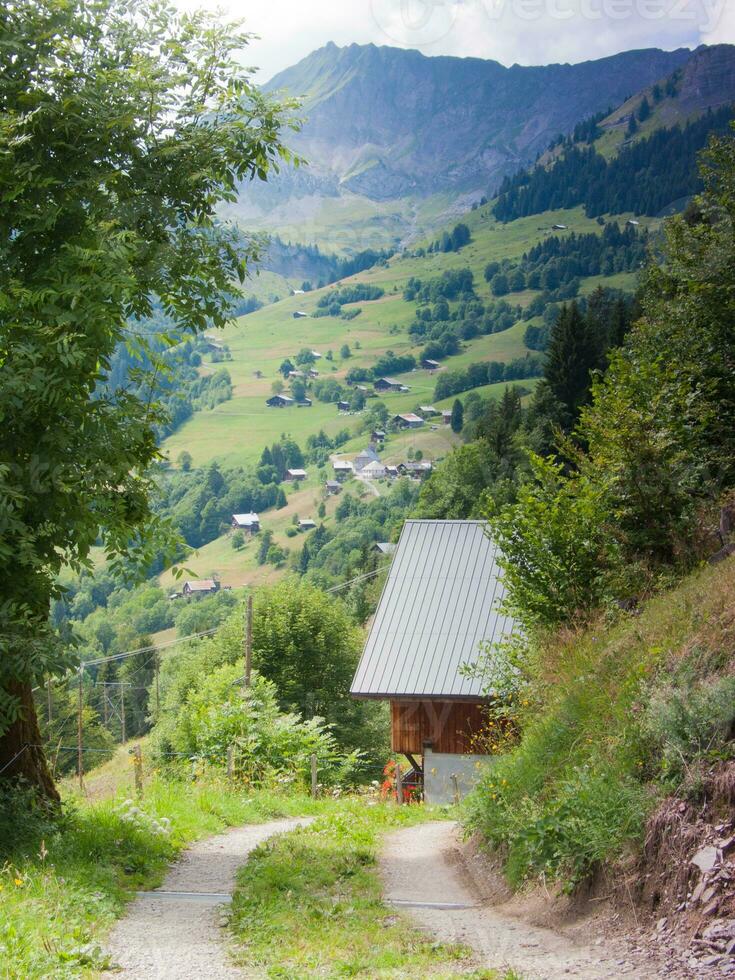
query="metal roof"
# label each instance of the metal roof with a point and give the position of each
(439, 603)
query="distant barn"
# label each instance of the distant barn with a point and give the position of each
(280, 401)
(200, 586)
(440, 605)
(250, 523)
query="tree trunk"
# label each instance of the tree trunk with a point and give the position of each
(21, 751)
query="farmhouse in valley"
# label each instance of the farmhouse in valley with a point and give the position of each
(333, 487)
(387, 384)
(280, 401)
(362, 459)
(430, 365)
(306, 524)
(374, 470)
(200, 586)
(441, 602)
(408, 420)
(295, 476)
(250, 523)
(342, 468)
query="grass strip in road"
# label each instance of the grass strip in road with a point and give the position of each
(308, 905)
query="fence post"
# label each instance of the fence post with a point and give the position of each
(314, 784)
(399, 784)
(230, 761)
(138, 769)
(80, 737)
(455, 783)
(248, 640)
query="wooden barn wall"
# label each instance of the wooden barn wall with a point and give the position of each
(448, 725)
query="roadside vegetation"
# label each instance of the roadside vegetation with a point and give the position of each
(622, 691)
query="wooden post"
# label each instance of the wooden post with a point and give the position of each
(248, 640)
(105, 696)
(314, 784)
(455, 783)
(230, 761)
(138, 769)
(50, 700)
(123, 733)
(158, 688)
(80, 739)
(399, 784)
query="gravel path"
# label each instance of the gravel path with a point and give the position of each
(419, 865)
(166, 937)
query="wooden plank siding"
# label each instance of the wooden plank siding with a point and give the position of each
(448, 725)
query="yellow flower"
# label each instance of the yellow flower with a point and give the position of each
(18, 882)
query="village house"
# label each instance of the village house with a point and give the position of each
(391, 471)
(333, 487)
(200, 586)
(343, 406)
(408, 420)
(362, 459)
(428, 411)
(387, 384)
(313, 373)
(377, 435)
(429, 365)
(304, 403)
(280, 401)
(416, 470)
(446, 416)
(306, 524)
(296, 374)
(315, 354)
(384, 547)
(250, 523)
(342, 468)
(374, 470)
(295, 476)
(441, 604)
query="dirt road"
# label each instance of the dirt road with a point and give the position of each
(423, 877)
(175, 933)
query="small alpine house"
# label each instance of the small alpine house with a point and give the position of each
(439, 607)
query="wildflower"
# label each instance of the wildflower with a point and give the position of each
(18, 882)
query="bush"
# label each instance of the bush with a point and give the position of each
(268, 744)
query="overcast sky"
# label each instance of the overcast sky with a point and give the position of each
(529, 32)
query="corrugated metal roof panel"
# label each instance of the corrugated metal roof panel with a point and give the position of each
(440, 602)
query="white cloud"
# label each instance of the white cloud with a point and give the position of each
(522, 31)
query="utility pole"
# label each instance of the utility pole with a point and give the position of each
(158, 688)
(248, 640)
(80, 743)
(50, 700)
(122, 711)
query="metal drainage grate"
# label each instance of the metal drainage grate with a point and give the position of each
(409, 904)
(207, 898)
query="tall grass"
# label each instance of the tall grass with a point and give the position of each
(622, 715)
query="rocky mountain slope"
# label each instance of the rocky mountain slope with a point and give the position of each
(386, 122)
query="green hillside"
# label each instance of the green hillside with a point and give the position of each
(237, 430)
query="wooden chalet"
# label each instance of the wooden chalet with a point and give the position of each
(200, 586)
(249, 523)
(306, 524)
(430, 365)
(440, 605)
(332, 488)
(343, 406)
(387, 384)
(408, 420)
(295, 476)
(280, 401)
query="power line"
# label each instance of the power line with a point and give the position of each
(149, 649)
